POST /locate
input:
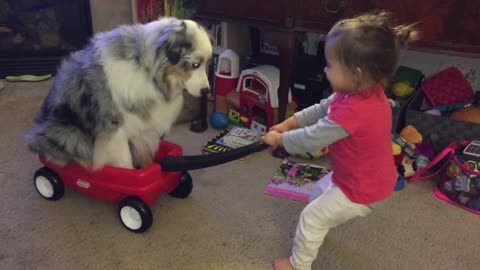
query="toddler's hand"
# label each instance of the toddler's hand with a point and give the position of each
(280, 128)
(273, 138)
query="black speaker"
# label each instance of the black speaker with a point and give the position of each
(310, 83)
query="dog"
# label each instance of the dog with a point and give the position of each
(112, 101)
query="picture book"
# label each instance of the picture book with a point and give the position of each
(238, 137)
(230, 139)
(294, 180)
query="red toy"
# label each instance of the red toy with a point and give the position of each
(258, 87)
(136, 190)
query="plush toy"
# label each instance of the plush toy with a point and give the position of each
(453, 170)
(409, 166)
(402, 89)
(397, 149)
(397, 154)
(433, 112)
(411, 135)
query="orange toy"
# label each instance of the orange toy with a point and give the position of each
(468, 114)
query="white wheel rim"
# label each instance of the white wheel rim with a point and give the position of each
(131, 217)
(44, 186)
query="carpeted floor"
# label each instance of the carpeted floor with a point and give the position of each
(226, 223)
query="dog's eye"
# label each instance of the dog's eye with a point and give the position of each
(195, 65)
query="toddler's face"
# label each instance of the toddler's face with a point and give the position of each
(340, 77)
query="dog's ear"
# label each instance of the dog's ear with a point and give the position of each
(173, 42)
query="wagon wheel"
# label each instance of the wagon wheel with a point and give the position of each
(135, 214)
(48, 184)
(184, 188)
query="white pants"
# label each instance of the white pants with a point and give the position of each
(328, 208)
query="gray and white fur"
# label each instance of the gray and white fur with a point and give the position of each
(112, 101)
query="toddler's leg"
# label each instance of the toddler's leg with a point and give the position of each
(330, 209)
(321, 186)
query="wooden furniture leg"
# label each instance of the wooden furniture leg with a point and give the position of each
(200, 124)
(287, 46)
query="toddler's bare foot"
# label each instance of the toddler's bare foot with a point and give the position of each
(282, 264)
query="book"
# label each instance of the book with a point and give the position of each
(213, 147)
(230, 139)
(238, 137)
(145, 11)
(294, 180)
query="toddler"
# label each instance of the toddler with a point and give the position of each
(355, 122)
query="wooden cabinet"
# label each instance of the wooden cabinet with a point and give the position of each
(451, 25)
(448, 25)
(318, 16)
(273, 14)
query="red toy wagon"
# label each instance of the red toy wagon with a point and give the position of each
(136, 190)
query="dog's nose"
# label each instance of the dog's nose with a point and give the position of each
(205, 91)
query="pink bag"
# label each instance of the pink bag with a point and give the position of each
(460, 180)
(447, 87)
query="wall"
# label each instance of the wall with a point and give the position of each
(107, 14)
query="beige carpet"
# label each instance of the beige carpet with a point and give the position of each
(227, 223)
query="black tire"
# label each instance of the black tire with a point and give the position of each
(135, 215)
(48, 184)
(184, 188)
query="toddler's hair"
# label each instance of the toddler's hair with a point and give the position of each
(371, 44)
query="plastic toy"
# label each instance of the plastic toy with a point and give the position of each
(135, 190)
(315, 154)
(400, 183)
(406, 148)
(261, 129)
(258, 88)
(234, 117)
(226, 78)
(219, 120)
(472, 151)
(468, 114)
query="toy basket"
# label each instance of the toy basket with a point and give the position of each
(414, 77)
(460, 177)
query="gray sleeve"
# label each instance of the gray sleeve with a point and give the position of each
(310, 115)
(314, 137)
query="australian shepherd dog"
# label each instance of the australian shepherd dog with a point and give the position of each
(112, 101)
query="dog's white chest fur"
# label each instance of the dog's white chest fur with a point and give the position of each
(131, 85)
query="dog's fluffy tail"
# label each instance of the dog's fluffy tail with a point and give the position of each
(60, 144)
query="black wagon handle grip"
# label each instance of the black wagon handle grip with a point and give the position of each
(187, 163)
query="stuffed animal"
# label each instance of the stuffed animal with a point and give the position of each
(402, 89)
(411, 135)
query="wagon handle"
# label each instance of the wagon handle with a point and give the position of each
(186, 163)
